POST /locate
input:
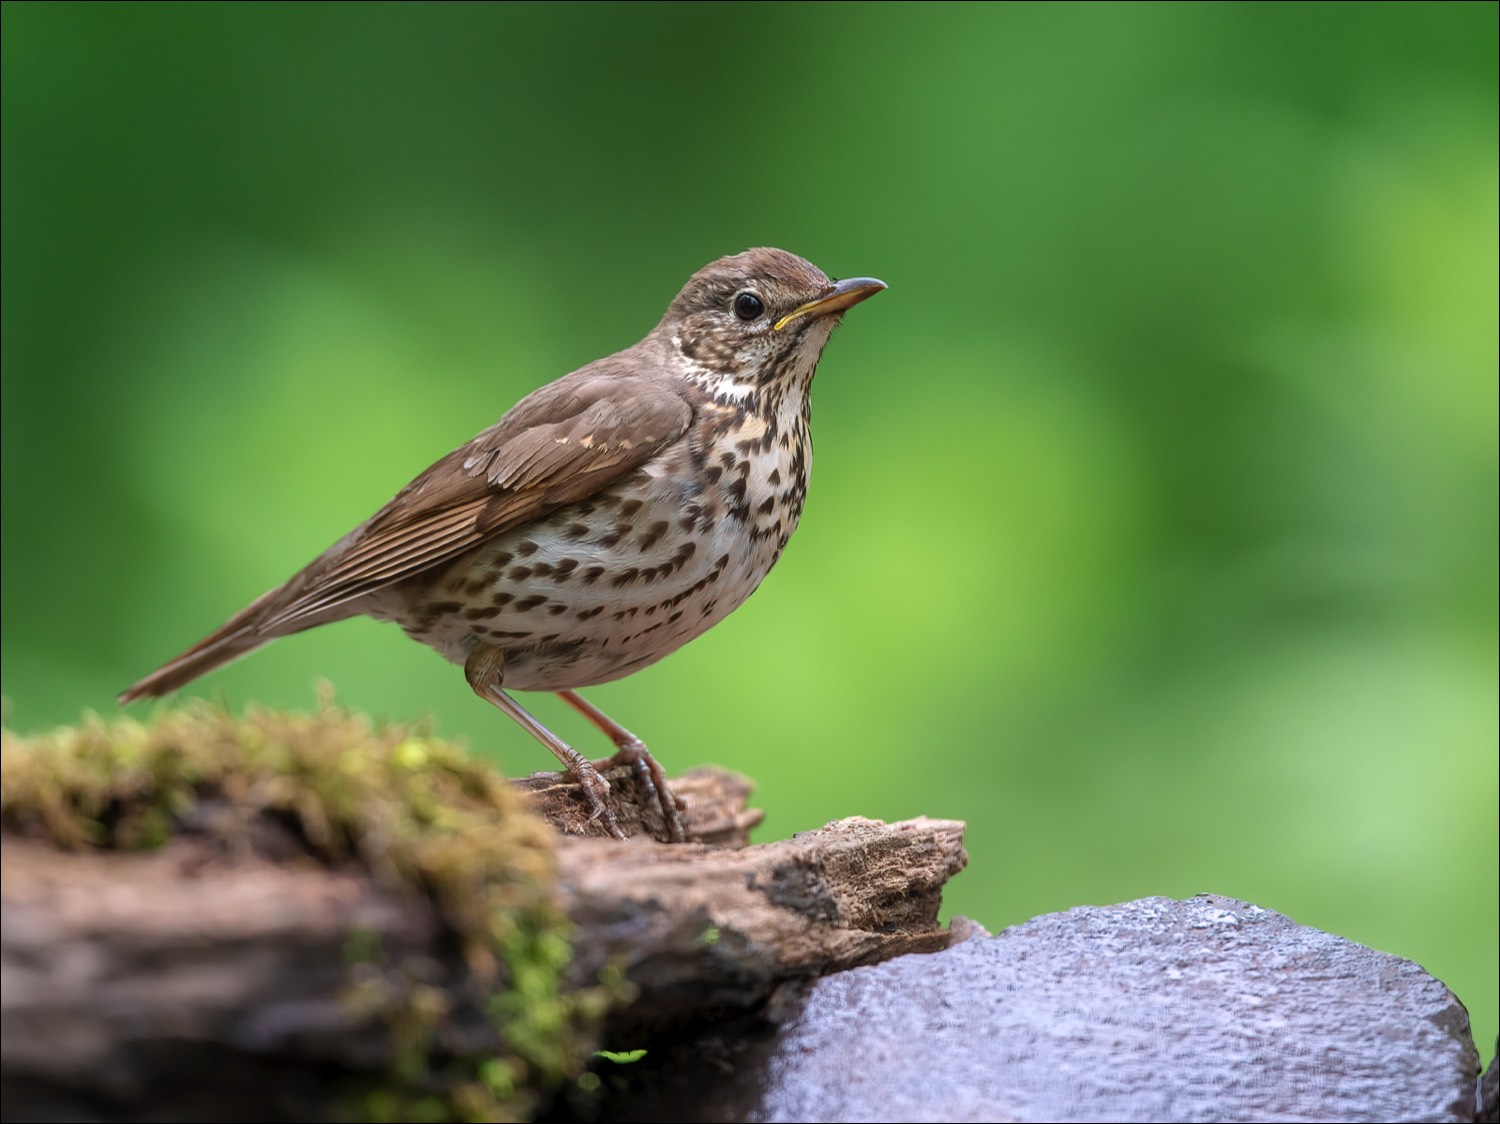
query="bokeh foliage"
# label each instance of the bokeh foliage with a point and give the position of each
(1153, 529)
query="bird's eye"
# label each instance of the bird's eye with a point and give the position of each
(748, 306)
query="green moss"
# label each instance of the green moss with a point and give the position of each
(411, 809)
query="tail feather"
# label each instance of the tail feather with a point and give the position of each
(238, 636)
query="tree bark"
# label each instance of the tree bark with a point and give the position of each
(191, 983)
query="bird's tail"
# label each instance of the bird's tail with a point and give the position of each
(238, 636)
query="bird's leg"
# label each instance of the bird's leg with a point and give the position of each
(633, 752)
(484, 670)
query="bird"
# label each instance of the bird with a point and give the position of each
(605, 520)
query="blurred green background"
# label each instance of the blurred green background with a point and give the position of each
(1153, 526)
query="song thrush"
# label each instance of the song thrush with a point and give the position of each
(606, 520)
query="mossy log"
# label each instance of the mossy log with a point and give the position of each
(310, 919)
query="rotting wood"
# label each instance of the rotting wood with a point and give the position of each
(129, 977)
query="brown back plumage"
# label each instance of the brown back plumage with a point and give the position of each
(560, 444)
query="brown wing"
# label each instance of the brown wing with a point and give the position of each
(561, 444)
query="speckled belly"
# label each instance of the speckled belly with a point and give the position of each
(597, 589)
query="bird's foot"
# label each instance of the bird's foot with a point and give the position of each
(596, 794)
(653, 781)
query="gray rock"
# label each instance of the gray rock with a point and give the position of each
(1489, 1090)
(1155, 1010)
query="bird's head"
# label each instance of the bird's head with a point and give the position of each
(759, 318)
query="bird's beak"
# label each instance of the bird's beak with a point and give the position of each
(839, 296)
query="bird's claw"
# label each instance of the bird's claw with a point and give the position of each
(596, 793)
(634, 755)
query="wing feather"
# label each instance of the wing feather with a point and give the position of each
(561, 445)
